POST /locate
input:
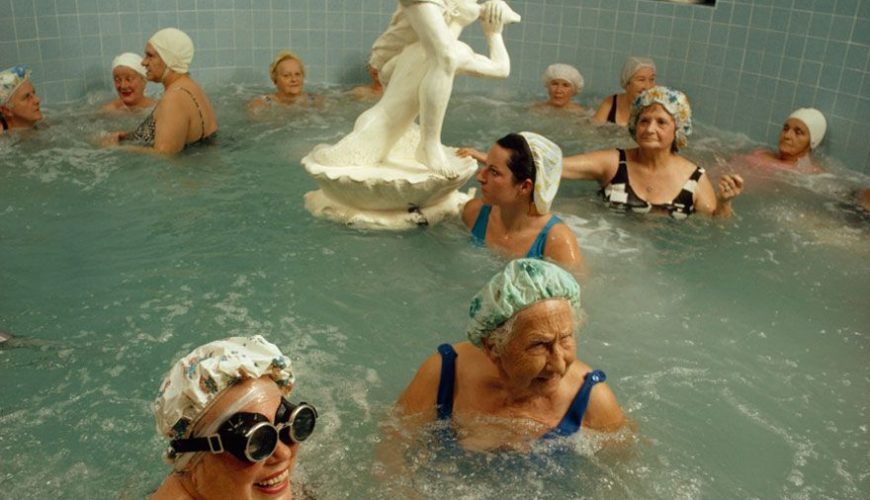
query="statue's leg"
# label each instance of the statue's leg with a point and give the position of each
(428, 22)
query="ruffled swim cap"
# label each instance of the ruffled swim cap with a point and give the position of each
(522, 283)
(10, 80)
(198, 379)
(174, 47)
(548, 169)
(815, 122)
(633, 65)
(675, 103)
(130, 60)
(564, 72)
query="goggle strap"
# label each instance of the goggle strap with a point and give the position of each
(211, 443)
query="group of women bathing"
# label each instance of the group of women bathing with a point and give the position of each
(233, 433)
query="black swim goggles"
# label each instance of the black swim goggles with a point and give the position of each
(251, 437)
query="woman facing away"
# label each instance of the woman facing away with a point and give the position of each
(184, 115)
(638, 75)
(654, 177)
(233, 433)
(518, 182)
(129, 77)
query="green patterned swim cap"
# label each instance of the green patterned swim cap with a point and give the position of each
(522, 283)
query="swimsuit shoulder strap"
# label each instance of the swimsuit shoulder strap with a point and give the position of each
(684, 203)
(573, 419)
(198, 110)
(611, 115)
(478, 231)
(537, 249)
(444, 402)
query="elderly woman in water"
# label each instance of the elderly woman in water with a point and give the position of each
(19, 104)
(287, 72)
(518, 182)
(563, 82)
(638, 75)
(654, 177)
(518, 378)
(801, 134)
(129, 77)
(184, 115)
(233, 433)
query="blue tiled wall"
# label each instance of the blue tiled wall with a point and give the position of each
(745, 64)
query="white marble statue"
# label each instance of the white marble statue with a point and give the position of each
(417, 58)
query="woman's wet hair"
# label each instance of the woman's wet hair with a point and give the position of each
(521, 163)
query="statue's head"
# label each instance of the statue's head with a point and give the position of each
(462, 12)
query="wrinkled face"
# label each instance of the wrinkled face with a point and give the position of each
(222, 475)
(560, 92)
(467, 11)
(541, 349)
(642, 79)
(655, 128)
(497, 183)
(129, 84)
(794, 140)
(289, 79)
(23, 107)
(154, 65)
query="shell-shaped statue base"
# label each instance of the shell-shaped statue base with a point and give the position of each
(398, 193)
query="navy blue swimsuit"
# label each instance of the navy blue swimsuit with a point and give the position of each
(536, 251)
(569, 424)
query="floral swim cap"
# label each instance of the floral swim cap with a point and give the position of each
(10, 80)
(522, 283)
(675, 103)
(198, 379)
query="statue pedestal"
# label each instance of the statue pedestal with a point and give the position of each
(398, 193)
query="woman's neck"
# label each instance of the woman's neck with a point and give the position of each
(514, 216)
(171, 78)
(790, 158)
(654, 158)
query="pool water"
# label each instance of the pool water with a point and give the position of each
(739, 347)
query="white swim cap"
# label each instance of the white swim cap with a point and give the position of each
(564, 72)
(174, 47)
(815, 122)
(129, 60)
(632, 65)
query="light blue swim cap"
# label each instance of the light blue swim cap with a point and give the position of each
(522, 283)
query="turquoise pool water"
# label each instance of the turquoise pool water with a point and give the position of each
(740, 348)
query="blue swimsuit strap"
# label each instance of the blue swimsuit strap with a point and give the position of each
(480, 224)
(536, 251)
(444, 403)
(573, 419)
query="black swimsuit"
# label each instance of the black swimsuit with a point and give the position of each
(4, 123)
(146, 131)
(621, 197)
(611, 116)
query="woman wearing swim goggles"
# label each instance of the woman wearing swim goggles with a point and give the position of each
(251, 437)
(233, 434)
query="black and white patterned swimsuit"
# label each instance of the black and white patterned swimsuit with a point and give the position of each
(146, 131)
(621, 197)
